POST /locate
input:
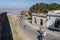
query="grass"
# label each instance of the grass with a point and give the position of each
(18, 33)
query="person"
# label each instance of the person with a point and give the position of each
(44, 35)
(40, 36)
(24, 26)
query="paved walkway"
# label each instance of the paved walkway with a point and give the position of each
(55, 33)
(30, 31)
(31, 25)
(47, 30)
(51, 35)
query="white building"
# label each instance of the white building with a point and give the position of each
(50, 20)
(39, 19)
(53, 19)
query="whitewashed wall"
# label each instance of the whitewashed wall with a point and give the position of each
(51, 20)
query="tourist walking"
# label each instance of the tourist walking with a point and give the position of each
(24, 26)
(44, 36)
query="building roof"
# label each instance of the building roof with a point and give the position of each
(39, 15)
(54, 12)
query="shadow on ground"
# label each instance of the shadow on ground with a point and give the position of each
(53, 29)
(5, 30)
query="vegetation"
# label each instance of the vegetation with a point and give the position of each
(25, 13)
(22, 12)
(43, 7)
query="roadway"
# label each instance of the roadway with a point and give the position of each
(31, 32)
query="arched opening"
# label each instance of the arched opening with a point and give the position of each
(41, 22)
(57, 23)
(35, 20)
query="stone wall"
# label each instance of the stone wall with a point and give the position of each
(38, 21)
(5, 31)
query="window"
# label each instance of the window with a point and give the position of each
(49, 17)
(41, 21)
(35, 20)
(46, 20)
(57, 23)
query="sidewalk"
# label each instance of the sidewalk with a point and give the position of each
(55, 33)
(31, 25)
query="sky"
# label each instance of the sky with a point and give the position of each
(23, 4)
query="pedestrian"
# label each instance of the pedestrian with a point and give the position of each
(40, 36)
(24, 26)
(44, 35)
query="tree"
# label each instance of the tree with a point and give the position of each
(25, 13)
(43, 7)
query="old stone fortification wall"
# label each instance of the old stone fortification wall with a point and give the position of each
(9, 29)
(1, 24)
(5, 31)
